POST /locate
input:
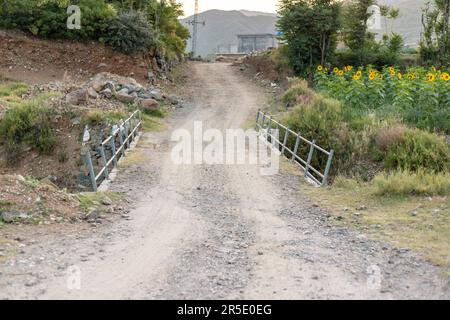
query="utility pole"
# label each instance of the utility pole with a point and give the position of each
(195, 24)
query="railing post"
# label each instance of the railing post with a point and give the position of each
(263, 121)
(122, 143)
(91, 171)
(127, 141)
(286, 135)
(113, 147)
(327, 168)
(102, 153)
(297, 144)
(310, 155)
(257, 119)
(268, 128)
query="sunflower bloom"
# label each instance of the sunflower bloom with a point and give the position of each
(372, 76)
(431, 77)
(319, 68)
(400, 76)
(335, 69)
(445, 76)
(341, 73)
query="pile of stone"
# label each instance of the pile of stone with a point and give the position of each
(124, 89)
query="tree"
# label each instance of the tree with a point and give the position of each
(355, 33)
(435, 42)
(309, 28)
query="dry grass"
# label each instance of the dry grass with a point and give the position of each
(389, 135)
(419, 223)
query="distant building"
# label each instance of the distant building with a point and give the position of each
(256, 42)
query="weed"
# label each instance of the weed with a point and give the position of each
(412, 183)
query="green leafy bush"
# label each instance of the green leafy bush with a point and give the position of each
(27, 123)
(49, 18)
(130, 32)
(418, 150)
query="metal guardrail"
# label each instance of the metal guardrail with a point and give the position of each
(268, 124)
(125, 134)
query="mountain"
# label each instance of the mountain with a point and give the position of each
(409, 23)
(222, 27)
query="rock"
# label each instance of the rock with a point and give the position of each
(77, 97)
(106, 201)
(125, 97)
(76, 121)
(107, 93)
(11, 216)
(86, 135)
(149, 104)
(92, 93)
(20, 178)
(156, 94)
(98, 83)
(174, 99)
(50, 181)
(93, 214)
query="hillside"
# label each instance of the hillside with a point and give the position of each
(222, 28)
(409, 24)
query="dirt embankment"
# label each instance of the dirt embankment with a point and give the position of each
(34, 60)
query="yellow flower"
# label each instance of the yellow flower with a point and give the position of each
(431, 77)
(411, 76)
(319, 68)
(335, 69)
(400, 76)
(341, 73)
(349, 68)
(445, 76)
(372, 76)
(356, 77)
(358, 73)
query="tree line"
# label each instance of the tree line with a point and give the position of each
(312, 30)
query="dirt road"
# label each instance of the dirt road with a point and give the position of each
(205, 232)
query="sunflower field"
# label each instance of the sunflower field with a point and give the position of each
(417, 96)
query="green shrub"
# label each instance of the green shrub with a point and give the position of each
(27, 123)
(49, 18)
(321, 120)
(298, 93)
(418, 150)
(97, 117)
(130, 32)
(405, 182)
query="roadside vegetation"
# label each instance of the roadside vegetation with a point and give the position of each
(385, 113)
(144, 26)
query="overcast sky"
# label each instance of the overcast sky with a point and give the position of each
(254, 5)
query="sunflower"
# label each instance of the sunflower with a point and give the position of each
(411, 76)
(341, 73)
(400, 76)
(372, 76)
(356, 77)
(431, 77)
(445, 76)
(391, 70)
(358, 73)
(335, 69)
(349, 68)
(319, 67)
